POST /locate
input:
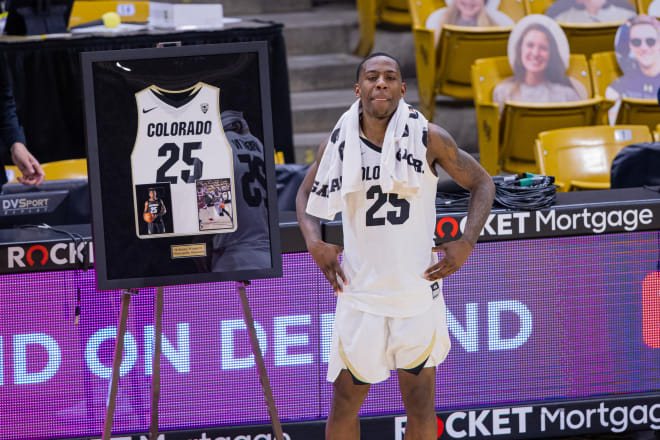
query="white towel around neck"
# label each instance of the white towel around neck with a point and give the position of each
(340, 170)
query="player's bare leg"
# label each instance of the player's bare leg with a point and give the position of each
(347, 398)
(418, 394)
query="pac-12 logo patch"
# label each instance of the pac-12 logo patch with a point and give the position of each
(435, 289)
(204, 106)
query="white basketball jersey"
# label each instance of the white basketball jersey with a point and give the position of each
(179, 142)
(387, 243)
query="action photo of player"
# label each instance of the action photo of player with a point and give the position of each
(214, 204)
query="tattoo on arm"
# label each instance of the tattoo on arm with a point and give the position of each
(468, 173)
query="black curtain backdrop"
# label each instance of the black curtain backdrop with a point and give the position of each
(48, 84)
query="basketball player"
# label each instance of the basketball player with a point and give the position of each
(374, 333)
(210, 201)
(156, 208)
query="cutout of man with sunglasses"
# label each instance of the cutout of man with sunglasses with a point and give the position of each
(641, 78)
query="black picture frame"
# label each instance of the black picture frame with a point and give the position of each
(108, 277)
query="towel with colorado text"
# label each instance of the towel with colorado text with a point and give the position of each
(340, 170)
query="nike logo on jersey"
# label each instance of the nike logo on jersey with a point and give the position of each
(144, 110)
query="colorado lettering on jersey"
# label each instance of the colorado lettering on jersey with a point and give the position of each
(325, 190)
(190, 128)
(405, 156)
(371, 173)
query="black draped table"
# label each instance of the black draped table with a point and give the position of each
(48, 85)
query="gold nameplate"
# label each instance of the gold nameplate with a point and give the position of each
(188, 250)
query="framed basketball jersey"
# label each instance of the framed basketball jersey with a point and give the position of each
(179, 195)
(180, 142)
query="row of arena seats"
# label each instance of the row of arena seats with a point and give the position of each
(507, 135)
(578, 158)
(584, 38)
(445, 70)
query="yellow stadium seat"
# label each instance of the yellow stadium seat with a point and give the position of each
(589, 38)
(656, 133)
(12, 173)
(66, 169)
(395, 12)
(581, 157)
(61, 169)
(425, 53)
(643, 6)
(421, 9)
(507, 142)
(537, 6)
(604, 70)
(639, 111)
(367, 23)
(516, 9)
(445, 70)
(372, 12)
(584, 38)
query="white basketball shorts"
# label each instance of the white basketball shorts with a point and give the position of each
(371, 346)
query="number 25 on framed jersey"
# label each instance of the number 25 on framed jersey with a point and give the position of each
(180, 143)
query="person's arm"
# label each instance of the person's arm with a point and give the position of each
(146, 204)
(469, 174)
(325, 254)
(163, 210)
(11, 131)
(12, 135)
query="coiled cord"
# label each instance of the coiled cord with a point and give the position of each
(527, 192)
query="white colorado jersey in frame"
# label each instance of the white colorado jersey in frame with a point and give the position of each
(180, 140)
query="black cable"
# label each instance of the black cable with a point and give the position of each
(75, 237)
(527, 192)
(451, 202)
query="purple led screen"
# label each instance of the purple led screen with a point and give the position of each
(529, 320)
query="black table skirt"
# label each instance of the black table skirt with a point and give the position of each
(48, 83)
